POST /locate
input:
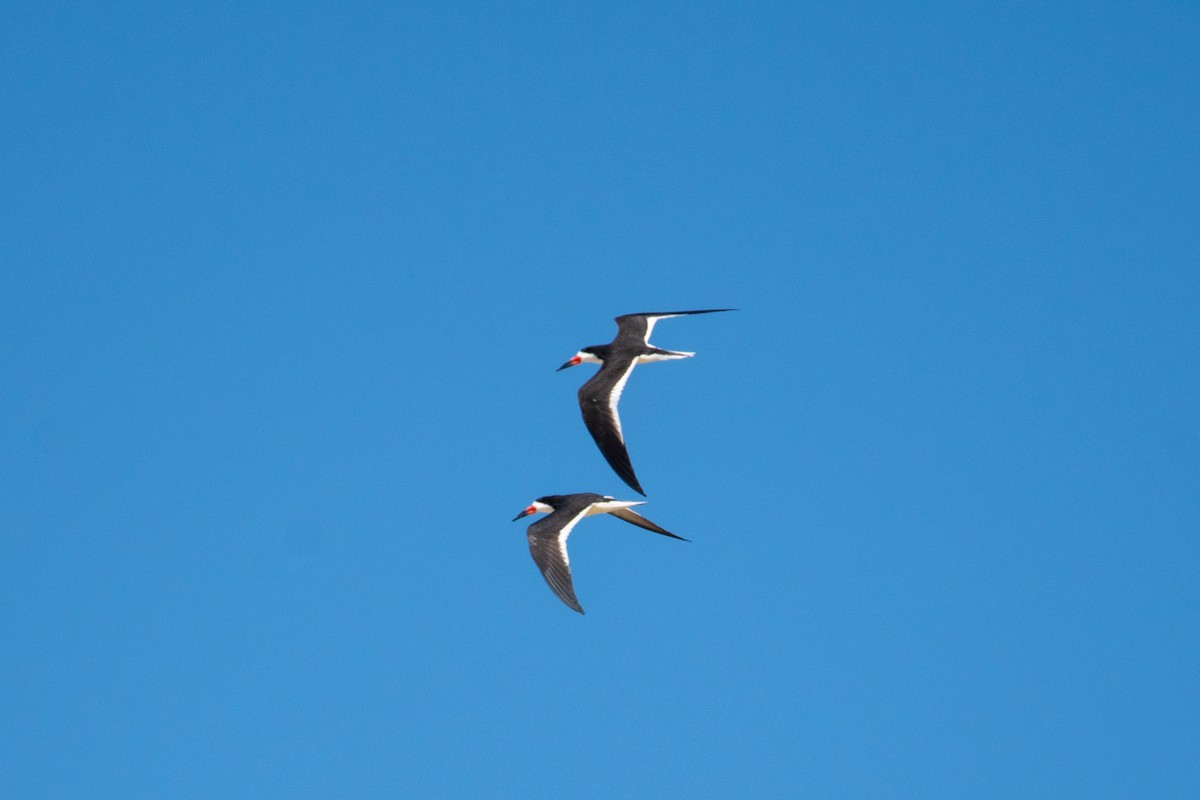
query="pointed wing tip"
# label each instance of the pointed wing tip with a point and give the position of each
(634, 518)
(570, 602)
(625, 474)
(705, 311)
(666, 314)
(630, 480)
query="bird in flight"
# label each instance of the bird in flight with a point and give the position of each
(598, 397)
(548, 535)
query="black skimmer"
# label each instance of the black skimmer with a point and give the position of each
(598, 397)
(548, 536)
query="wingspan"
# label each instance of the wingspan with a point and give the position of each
(598, 400)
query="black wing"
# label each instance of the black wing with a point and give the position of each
(637, 519)
(637, 327)
(598, 400)
(548, 546)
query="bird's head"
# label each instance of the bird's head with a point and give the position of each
(539, 506)
(588, 355)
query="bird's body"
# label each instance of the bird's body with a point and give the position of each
(599, 395)
(548, 536)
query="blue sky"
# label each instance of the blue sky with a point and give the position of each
(284, 288)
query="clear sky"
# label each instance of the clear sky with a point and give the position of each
(284, 288)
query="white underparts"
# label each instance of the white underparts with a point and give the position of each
(615, 398)
(670, 355)
(565, 532)
(605, 506)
